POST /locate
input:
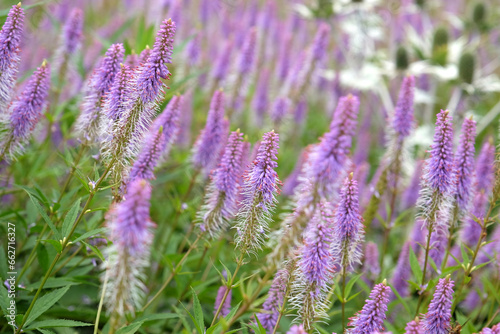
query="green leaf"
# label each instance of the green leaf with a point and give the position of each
(465, 256)
(89, 234)
(350, 284)
(57, 244)
(198, 312)
(70, 218)
(46, 302)
(4, 299)
(95, 250)
(198, 329)
(401, 300)
(43, 256)
(42, 212)
(45, 331)
(130, 329)
(415, 266)
(157, 316)
(58, 323)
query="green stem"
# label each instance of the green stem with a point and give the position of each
(101, 302)
(424, 272)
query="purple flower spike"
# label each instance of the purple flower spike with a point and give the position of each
(10, 38)
(158, 141)
(73, 27)
(493, 330)
(297, 329)
(330, 156)
(464, 164)
(320, 42)
(260, 101)
(437, 319)
(144, 56)
(118, 99)
(226, 308)
(26, 111)
(371, 264)
(222, 63)
(402, 272)
(149, 80)
(259, 189)
(100, 83)
(131, 232)
(248, 53)
(316, 262)
(403, 116)
(371, 318)
(348, 225)
(275, 299)
(280, 109)
(484, 168)
(210, 144)
(440, 164)
(414, 327)
(222, 195)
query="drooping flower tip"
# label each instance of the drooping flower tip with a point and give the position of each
(10, 37)
(149, 81)
(403, 115)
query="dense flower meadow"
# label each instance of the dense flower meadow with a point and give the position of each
(249, 166)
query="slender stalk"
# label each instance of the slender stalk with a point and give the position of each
(282, 308)
(174, 271)
(343, 296)
(450, 237)
(424, 272)
(229, 287)
(68, 259)
(101, 302)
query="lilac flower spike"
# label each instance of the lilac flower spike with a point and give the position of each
(210, 143)
(276, 297)
(493, 330)
(89, 122)
(131, 232)
(118, 98)
(248, 53)
(437, 319)
(330, 155)
(297, 329)
(10, 40)
(259, 189)
(402, 272)
(403, 116)
(222, 196)
(437, 184)
(26, 111)
(158, 141)
(414, 327)
(348, 225)
(464, 165)
(149, 81)
(72, 35)
(226, 308)
(320, 42)
(371, 318)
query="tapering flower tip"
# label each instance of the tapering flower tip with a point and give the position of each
(330, 156)
(260, 187)
(274, 300)
(130, 223)
(248, 52)
(132, 59)
(348, 224)
(280, 109)
(10, 37)
(210, 143)
(464, 164)
(297, 329)
(27, 109)
(149, 80)
(262, 178)
(437, 319)
(371, 317)
(320, 42)
(118, 98)
(73, 28)
(403, 115)
(108, 69)
(317, 262)
(485, 167)
(440, 164)
(144, 56)
(414, 327)
(226, 307)
(226, 176)
(158, 141)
